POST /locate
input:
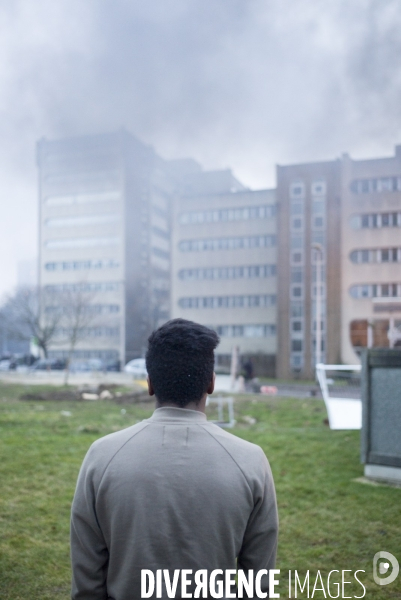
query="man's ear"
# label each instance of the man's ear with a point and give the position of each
(150, 387)
(210, 389)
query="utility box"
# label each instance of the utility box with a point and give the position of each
(381, 414)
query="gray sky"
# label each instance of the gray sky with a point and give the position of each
(244, 84)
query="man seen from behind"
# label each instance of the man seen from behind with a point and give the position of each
(173, 491)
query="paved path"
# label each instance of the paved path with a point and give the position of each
(57, 378)
(94, 378)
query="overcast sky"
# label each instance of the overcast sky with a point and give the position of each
(244, 84)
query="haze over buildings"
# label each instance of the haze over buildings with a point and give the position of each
(235, 84)
(109, 206)
(155, 239)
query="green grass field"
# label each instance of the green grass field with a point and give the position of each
(327, 519)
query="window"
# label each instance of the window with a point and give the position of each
(296, 361)
(296, 345)
(296, 309)
(96, 309)
(108, 286)
(245, 272)
(82, 242)
(375, 290)
(318, 188)
(296, 291)
(297, 326)
(297, 223)
(297, 189)
(318, 289)
(238, 301)
(318, 222)
(228, 214)
(82, 221)
(91, 331)
(385, 184)
(199, 245)
(296, 257)
(159, 252)
(79, 265)
(250, 331)
(374, 220)
(376, 184)
(371, 255)
(82, 198)
(160, 232)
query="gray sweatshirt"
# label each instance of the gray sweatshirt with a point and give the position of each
(172, 492)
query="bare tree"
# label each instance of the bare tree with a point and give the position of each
(27, 319)
(57, 317)
(81, 319)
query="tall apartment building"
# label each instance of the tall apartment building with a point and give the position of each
(224, 265)
(105, 228)
(309, 212)
(371, 251)
(352, 209)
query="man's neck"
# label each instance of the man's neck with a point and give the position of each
(199, 406)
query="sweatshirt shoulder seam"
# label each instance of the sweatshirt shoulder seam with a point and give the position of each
(230, 455)
(118, 450)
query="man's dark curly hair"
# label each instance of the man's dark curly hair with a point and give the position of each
(180, 361)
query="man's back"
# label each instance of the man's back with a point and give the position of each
(172, 492)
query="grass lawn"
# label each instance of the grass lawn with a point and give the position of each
(328, 521)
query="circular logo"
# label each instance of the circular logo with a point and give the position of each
(383, 567)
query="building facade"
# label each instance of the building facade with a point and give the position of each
(371, 252)
(104, 229)
(309, 215)
(148, 239)
(351, 210)
(224, 267)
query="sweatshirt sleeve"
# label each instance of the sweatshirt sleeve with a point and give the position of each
(259, 546)
(89, 553)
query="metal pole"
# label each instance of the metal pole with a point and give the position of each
(392, 337)
(319, 263)
(234, 365)
(370, 333)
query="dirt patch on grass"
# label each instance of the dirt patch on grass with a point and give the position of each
(133, 398)
(53, 396)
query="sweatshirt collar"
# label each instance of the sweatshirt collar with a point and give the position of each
(170, 413)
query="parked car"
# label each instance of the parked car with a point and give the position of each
(48, 364)
(112, 365)
(85, 365)
(5, 364)
(137, 368)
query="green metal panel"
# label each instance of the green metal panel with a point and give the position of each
(381, 407)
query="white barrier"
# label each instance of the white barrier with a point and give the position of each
(220, 401)
(341, 395)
